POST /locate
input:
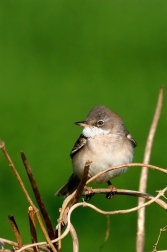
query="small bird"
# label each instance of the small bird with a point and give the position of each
(105, 142)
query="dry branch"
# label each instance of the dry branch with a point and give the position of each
(164, 229)
(81, 184)
(74, 239)
(38, 197)
(127, 192)
(2, 146)
(144, 173)
(31, 217)
(15, 230)
(74, 200)
(12, 243)
(85, 204)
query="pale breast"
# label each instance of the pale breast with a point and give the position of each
(104, 151)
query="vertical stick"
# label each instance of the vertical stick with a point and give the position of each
(144, 174)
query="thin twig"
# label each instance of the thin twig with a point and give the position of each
(69, 198)
(98, 210)
(15, 230)
(2, 146)
(108, 228)
(129, 193)
(6, 250)
(38, 197)
(12, 243)
(107, 232)
(74, 239)
(127, 165)
(31, 217)
(81, 184)
(164, 229)
(85, 204)
(15, 245)
(144, 174)
(74, 200)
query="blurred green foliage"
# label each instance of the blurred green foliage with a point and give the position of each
(58, 59)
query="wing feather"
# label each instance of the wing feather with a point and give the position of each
(80, 143)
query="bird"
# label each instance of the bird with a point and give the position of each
(104, 142)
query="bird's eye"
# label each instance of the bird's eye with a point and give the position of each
(100, 123)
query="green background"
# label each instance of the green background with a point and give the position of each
(58, 59)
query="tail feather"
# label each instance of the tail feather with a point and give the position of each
(69, 187)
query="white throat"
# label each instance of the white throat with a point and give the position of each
(94, 131)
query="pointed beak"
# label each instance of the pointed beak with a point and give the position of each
(83, 124)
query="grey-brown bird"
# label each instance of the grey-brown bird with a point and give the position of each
(105, 142)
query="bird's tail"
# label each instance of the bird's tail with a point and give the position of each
(69, 187)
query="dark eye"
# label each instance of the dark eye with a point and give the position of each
(100, 123)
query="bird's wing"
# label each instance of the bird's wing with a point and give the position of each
(130, 138)
(80, 143)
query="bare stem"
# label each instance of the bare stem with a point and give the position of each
(74, 239)
(85, 204)
(81, 184)
(31, 216)
(15, 230)
(2, 146)
(144, 173)
(12, 243)
(164, 229)
(75, 198)
(38, 197)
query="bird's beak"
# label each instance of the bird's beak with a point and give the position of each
(83, 124)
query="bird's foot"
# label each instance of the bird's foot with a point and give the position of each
(89, 192)
(113, 190)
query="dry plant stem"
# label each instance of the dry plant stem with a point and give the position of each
(127, 165)
(5, 241)
(74, 239)
(161, 251)
(15, 245)
(107, 233)
(6, 250)
(69, 198)
(44, 232)
(85, 204)
(160, 232)
(75, 198)
(38, 197)
(15, 230)
(129, 193)
(144, 174)
(108, 228)
(44, 248)
(2, 146)
(31, 216)
(81, 184)
(160, 202)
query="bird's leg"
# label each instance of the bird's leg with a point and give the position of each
(90, 193)
(113, 190)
